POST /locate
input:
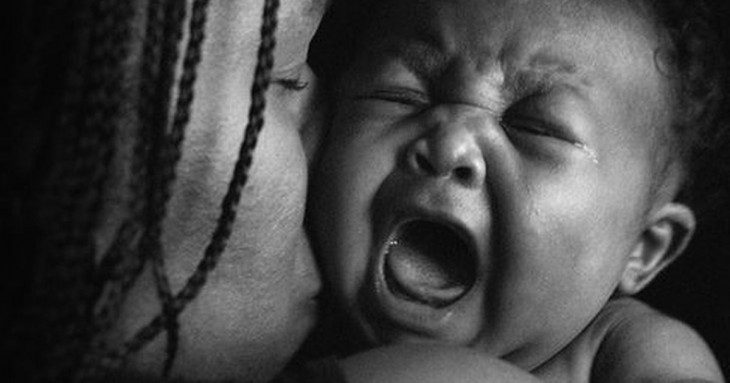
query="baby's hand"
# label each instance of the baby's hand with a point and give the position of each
(429, 363)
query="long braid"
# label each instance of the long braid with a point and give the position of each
(112, 42)
(166, 154)
(134, 242)
(113, 262)
(96, 138)
(109, 49)
(262, 79)
(222, 232)
(171, 154)
(158, 192)
(121, 263)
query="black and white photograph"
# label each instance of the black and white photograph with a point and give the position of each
(364, 191)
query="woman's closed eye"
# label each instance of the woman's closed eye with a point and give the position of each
(295, 84)
(294, 78)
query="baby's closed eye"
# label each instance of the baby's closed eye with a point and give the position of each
(399, 95)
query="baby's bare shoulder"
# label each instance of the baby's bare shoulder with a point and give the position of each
(638, 343)
(629, 341)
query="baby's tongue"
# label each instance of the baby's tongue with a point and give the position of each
(428, 263)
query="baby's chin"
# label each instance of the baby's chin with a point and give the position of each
(525, 355)
(388, 313)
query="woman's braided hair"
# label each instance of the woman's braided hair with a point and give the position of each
(50, 338)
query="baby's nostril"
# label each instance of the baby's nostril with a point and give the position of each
(424, 165)
(464, 173)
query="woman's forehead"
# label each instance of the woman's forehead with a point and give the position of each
(246, 15)
(234, 28)
(298, 19)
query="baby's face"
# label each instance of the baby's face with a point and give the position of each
(489, 171)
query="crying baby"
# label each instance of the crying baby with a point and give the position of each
(502, 175)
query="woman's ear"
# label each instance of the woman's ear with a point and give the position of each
(668, 232)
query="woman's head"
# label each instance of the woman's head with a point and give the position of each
(256, 306)
(256, 302)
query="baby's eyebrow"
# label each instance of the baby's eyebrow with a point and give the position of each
(423, 57)
(547, 61)
(544, 71)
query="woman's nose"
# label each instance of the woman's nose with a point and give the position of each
(448, 151)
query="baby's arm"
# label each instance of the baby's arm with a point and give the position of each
(429, 363)
(647, 346)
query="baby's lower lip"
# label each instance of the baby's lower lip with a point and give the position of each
(391, 317)
(394, 319)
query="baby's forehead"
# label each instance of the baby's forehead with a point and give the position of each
(511, 73)
(517, 49)
(489, 22)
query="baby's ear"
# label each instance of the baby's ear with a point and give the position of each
(667, 233)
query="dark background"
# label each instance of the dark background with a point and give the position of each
(696, 289)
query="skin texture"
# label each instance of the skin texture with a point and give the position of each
(258, 304)
(531, 131)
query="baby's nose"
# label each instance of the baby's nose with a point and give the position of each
(449, 150)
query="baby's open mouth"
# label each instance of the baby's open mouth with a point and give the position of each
(429, 263)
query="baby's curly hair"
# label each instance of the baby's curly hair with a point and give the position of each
(696, 65)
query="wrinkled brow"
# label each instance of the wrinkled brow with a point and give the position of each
(423, 57)
(544, 71)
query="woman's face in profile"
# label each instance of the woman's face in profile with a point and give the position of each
(257, 305)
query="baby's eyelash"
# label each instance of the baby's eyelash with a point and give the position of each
(401, 96)
(528, 126)
(295, 84)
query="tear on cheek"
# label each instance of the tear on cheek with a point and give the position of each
(588, 151)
